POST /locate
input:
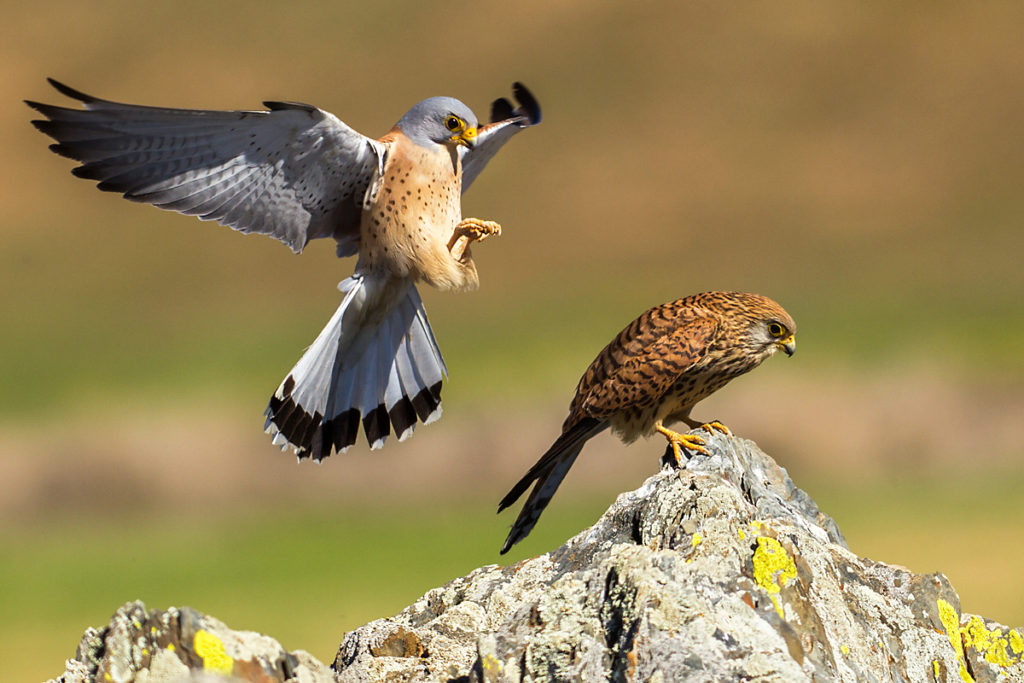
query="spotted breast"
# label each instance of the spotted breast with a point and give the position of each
(411, 218)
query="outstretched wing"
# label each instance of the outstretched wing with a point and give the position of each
(506, 121)
(294, 172)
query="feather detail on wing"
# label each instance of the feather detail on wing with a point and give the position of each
(294, 172)
(506, 121)
(642, 361)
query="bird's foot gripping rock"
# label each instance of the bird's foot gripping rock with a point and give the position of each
(678, 441)
(715, 426)
(471, 230)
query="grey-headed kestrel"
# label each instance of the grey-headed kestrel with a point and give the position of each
(653, 374)
(297, 173)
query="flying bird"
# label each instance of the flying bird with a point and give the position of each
(295, 173)
(652, 375)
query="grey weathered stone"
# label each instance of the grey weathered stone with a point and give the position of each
(180, 644)
(723, 570)
(720, 571)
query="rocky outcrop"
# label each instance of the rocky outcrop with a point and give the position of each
(178, 645)
(722, 570)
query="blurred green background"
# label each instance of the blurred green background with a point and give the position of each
(862, 163)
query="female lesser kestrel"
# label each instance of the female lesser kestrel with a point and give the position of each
(652, 374)
(297, 173)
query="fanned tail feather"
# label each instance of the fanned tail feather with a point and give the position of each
(376, 365)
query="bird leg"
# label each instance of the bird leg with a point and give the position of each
(471, 230)
(679, 441)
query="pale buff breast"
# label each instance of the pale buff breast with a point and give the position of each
(672, 407)
(408, 225)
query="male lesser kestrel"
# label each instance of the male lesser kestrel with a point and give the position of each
(653, 374)
(297, 173)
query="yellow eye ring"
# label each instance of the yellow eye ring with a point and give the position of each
(453, 123)
(776, 330)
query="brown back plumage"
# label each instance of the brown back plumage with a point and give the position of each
(655, 370)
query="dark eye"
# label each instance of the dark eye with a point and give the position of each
(776, 330)
(453, 123)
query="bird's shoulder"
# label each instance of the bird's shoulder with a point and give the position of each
(648, 354)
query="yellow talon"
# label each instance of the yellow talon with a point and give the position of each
(715, 425)
(679, 441)
(471, 230)
(477, 230)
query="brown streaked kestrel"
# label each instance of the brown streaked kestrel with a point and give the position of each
(653, 374)
(297, 173)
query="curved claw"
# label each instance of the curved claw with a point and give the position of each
(471, 230)
(690, 442)
(715, 426)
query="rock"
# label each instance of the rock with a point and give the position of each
(721, 570)
(178, 645)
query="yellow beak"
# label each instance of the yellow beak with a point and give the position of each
(788, 344)
(466, 137)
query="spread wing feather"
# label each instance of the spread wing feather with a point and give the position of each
(294, 172)
(506, 121)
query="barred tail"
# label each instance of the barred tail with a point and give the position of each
(375, 364)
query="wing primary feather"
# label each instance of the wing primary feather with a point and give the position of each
(71, 92)
(312, 169)
(501, 109)
(528, 104)
(274, 105)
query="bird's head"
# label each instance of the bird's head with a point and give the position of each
(440, 121)
(770, 328)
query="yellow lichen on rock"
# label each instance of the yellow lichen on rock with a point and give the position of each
(1016, 642)
(211, 649)
(991, 644)
(491, 666)
(773, 567)
(951, 621)
(695, 541)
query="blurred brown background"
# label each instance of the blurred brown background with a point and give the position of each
(859, 162)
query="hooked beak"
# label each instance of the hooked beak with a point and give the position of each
(788, 345)
(466, 137)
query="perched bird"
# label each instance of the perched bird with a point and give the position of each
(297, 173)
(653, 374)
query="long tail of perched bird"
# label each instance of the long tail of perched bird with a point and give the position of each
(652, 374)
(549, 472)
(375, 365)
